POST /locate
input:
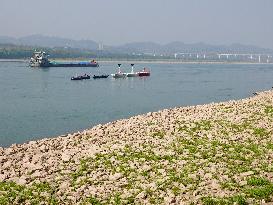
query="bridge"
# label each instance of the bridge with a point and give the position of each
(261, 58)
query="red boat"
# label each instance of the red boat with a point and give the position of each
(144, 72)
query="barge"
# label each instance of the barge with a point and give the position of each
(40, 59)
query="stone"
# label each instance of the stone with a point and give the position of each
(208, 176)
(141, 195)
(3, 159)
(243, 183)
(147, 167)
(214, 185)
(7, 164)
(44, 148)
(22, 180)
(36, 174)
(66, 157)
(246, 174)
(2, 177)
(115, 177)
(64, 185)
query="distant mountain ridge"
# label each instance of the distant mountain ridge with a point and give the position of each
(49, 41)
(136, 47)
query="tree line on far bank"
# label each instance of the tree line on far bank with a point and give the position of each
(10, 51)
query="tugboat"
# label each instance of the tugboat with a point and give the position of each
(118, 74)
(100, 76)
(144, 72)
(81, 77)
(132, 74)
(40, 59)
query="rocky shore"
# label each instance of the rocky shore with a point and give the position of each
(220, 153)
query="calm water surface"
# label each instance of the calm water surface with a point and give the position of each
(37, 103)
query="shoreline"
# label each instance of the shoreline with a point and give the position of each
(147, 61)
(181, 62)
(195, 154)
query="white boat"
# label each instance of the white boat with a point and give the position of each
(118, 74)
(132, 74)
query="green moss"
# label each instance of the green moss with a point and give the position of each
(260, 132)
(238, 199)
(259, 188)
(230, 185)
(92, 200)
(258, 181)
(159, 134)
(150, 123)
(176, 190)
(117, 199)
(269, 109)
(12, 193)
(213, 201)
(269, 146)
(264, 192)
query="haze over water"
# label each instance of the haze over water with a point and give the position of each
(37, 103)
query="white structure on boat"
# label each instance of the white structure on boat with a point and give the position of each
(118, 74)
(39, 58)
(132, 74)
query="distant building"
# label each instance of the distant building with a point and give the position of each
(100, 46)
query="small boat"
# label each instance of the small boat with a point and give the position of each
(119, 74)
(85, 76)
(76, 78)
(100, 76)
(81, 77)
(132, 74)
(144, 72)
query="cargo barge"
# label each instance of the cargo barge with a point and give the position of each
(40, 59)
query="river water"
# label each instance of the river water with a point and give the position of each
(38, 103)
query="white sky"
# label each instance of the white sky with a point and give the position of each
(116, 22)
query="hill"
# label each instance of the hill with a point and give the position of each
(132, 48)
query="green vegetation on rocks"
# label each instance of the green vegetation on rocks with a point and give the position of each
(210, 154)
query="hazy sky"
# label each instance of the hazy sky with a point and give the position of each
(120, 21)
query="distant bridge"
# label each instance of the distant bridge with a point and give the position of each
(226, 56)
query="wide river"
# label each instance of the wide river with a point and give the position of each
(38, 103)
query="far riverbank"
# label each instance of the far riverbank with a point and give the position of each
(159, 61)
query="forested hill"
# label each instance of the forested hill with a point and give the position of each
(10, 51)
(63, 47)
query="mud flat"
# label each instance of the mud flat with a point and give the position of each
(219, 153)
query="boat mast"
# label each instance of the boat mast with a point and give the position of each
(119, 71)
(132, 71)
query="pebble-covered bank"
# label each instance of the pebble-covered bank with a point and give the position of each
(220, 153)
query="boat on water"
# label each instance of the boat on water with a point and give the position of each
(132, 74)
(119, 74)
(81, 77)
(100, 76)
(144, 72)
(40, 59)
